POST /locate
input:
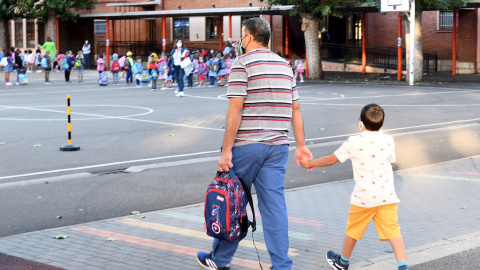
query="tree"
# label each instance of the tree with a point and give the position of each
(6, 14)
(311, 11)
(49, 10)
(420, 6)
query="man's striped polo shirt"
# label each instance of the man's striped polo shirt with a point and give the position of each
(266, 82)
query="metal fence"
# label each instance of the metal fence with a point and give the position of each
(383, 58)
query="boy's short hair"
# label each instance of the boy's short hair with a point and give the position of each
(139, 58)
(372, 116)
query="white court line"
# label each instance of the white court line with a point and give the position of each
(107, 164)
(391, 105)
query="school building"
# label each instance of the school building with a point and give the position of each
(146, 26)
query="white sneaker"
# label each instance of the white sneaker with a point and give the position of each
(302, 81)
(180, 94)
(163, 88)
(177, 91)
(8, 83)
(29, 71)
(17, 83)
(48, 83)
(38, 71)
(149, 85)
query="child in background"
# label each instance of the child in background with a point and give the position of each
(115, 68)
(9, 67)
(138, 71)
(222, 70)
(47, 67)
(60, 56)
(285, 57)
(38, 60)
(100, 64)
(128, 67)
(195, 68)
(202, 72)
(70, 64)
(80, 65)
(373, 198)
(121, 62)
(228, 64)
(163, 71)
(299, 69)
(212, 74)
(153, 72)
(26, 60)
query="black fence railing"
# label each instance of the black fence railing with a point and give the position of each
(383, 58)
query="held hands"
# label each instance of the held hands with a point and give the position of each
(306, 164)
(303, 155)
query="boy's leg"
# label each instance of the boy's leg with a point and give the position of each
(348, 245)
(399, 249)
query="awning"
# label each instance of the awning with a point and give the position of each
(279, 10)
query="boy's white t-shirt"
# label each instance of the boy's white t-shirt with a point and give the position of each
(371, 154)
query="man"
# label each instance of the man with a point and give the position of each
(86, 54)
(263, 104)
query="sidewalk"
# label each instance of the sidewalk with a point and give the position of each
(438, 214)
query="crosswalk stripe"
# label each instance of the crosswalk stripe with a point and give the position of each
(191, 233)
(169, 247)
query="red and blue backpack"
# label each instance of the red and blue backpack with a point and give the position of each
(226, 208)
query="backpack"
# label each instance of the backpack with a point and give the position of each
(226, 208)
(44, 63)
(222, 64)
(115, 66)
(103, 79)
(215, 66)
(4, 61)
(127, 64)
(144, 75)
(154, 74)
(31, 59)
(63, 64)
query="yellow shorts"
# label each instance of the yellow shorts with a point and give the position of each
(385, 218)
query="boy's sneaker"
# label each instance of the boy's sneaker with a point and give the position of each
(163, 88)
(205, 260)
(403, 267)
(334, 260)
(48, 83)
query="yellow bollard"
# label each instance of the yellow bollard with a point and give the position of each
(69, 146)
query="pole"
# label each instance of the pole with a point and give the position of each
(220, 34)
(412, 42)
(399, 50)
(364, 43)
(58, 36)
(306, 63)
(113, 31)
(230, 27)
(69, 146)
(475, 63)
(454, 60)
(286, 34)
(108, 46)
(164, 32)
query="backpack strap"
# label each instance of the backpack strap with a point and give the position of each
(250, 201)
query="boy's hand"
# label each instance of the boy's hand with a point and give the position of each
(303, 153)
(306, 163)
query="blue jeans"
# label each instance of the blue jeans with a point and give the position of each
(129, 76)
(212, 80)
(180, 77)
(263, 166)
(86, 56)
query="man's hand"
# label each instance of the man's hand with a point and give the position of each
(225, 161)
(305, 163)
(303, 153)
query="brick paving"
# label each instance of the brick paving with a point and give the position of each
(437, 202)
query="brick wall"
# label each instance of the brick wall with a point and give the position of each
(466, 44)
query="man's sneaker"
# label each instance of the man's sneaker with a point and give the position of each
(205, 260)
(180, 94)
(334, 260)
(177, 91)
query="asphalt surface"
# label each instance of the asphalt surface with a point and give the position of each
(468, 260)
(146, 151)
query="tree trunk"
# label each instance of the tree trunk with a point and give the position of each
(312, 44)
(51, 26)
(4, 35)
(418, 54)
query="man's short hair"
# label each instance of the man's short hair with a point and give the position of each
(372, 116)
(259, 28)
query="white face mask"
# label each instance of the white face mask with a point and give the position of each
(201, 61)
(86, 42)
(212, 52)
(179, 44)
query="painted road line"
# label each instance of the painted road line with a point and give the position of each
(449, 177)
(467, 173)
(199, 219)
(46, 180)
(302, 221)
(191, 233)
(169, 247)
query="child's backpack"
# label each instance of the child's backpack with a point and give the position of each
(154, 74)
(145, 77)
(226, 208)
(221, 63)
(115, 66)
(300, 67)
(4, 61)
(215, 66)
(31, 59)
(44, 63)
(22, 76)
(103, 79)
(63, 64)
(135, 69)
(121, 61)
(128, 63)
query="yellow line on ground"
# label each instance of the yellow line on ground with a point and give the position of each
(191, 233)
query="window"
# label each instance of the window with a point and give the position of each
(99, 27)
(31, 34)
(19, 34)
(181, 29)
(445, 20)
(212, 27)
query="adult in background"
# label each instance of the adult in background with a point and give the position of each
(179, 54)
(49, 46)
(86, 49)
(228, 48)
(260, 157)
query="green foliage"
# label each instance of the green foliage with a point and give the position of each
(41, 9)
(421, 5)
(317, 8)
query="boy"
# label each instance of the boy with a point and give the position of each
(373, 158)
(80, 65)
(153, 72)
(128, 67)
(138, 71)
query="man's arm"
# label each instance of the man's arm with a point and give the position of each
(299, 133)
(234, 117)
